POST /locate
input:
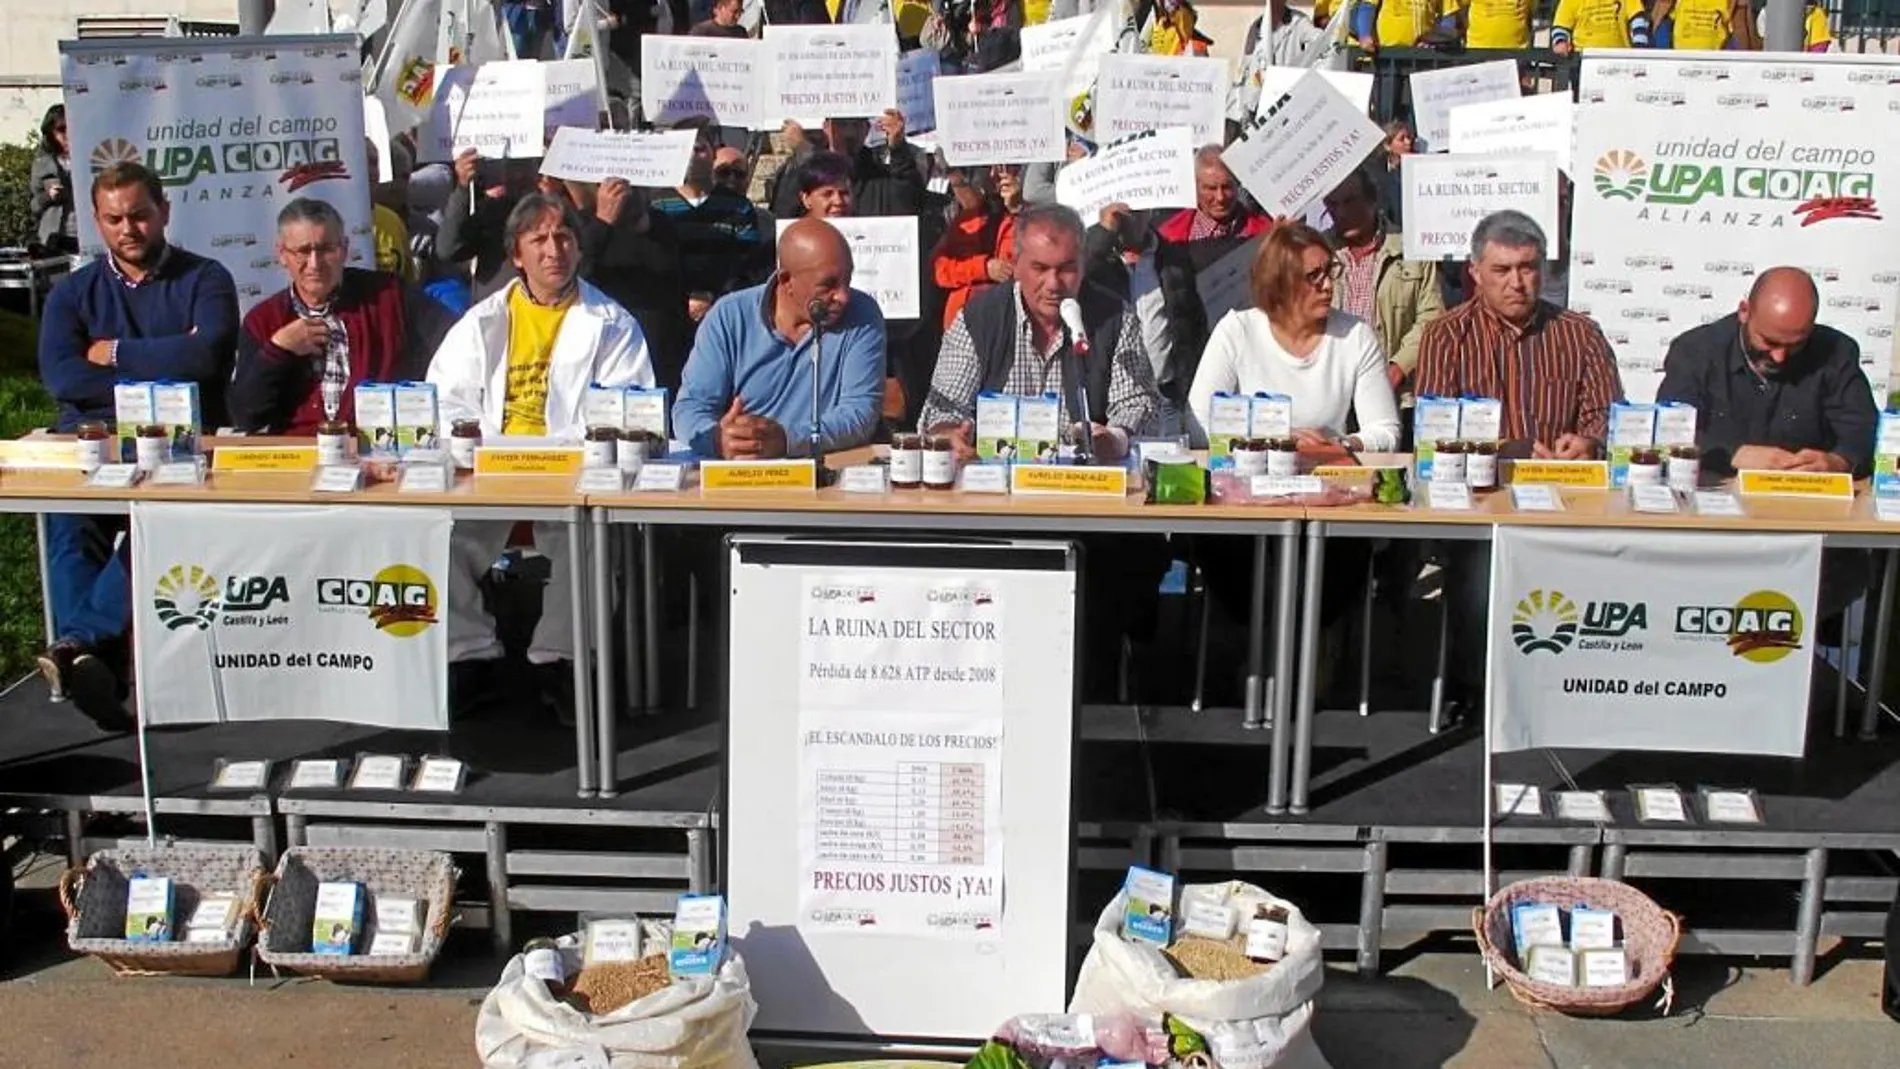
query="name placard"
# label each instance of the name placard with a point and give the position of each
(717, 475)
(42, 453)
(239, 458)
(501, 460)
(1836, 484)
(1345, 474)
(1068, 479)
(1574, 474)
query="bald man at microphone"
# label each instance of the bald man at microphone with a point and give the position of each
(1050, 331)
(747, 391)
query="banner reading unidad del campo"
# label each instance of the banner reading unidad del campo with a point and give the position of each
(235, 128)
(270, 613)
(1679, 641)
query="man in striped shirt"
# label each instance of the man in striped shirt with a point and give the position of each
(1552, 368)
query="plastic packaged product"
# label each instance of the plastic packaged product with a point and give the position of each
(1608, 967)
(338, 918)
(609, 941)
(646, 410)
(148, 909)
(1535, 924)
(131, 409)
(1208, 919)
(376, 420)
(1434, 420)
(1552, 965)
(416, 420)
(1229, 416)
(699, 936)
(1592, 929)
(1149, 915)
(215, 915)
(1480, 419)
(398, 944)
(1038, 427)
(175, 407)
(399, 913)
(1632, 427)
(907, 461)
(604, 406)
(995, 426)
(1176, 482)
(1270, 415)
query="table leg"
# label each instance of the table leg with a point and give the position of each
(501, 926)
(1883, 633)
(1436, 720)
(1287, 582)
(1365, 638)
(1371, 909)
(46, 589)
(1855, 617)
(606, 709)
(650, 613)
(580, 567)
(1312, 596)
(633, 624)
(1253, 712)
(1807, 925)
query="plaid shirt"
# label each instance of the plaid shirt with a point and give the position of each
(1205, 226)
(333, 368)
(1359, 284)
(1132, 399)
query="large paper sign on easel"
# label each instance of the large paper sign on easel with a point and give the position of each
(1679, 641)
(700, 77)
(1136, 93)
(1436, 92)
(884, 261)
(1075, 47)
(829, 72)
(1515, 126)
(1446, 195)
(245, 612)
(1303, 150)
(573, 95)
(1277, 82)
(642, 159)
(497, 109)
(1000, 118)
(1149, 170)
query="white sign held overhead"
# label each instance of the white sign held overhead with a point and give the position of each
(1137, 93)
(829, 72)
(573, 95)
(497, 109)
(376, 128)
(642, 159)
(1000, 118)
(1277, 82)
(1680, 641)
(1513, 127)
(917, 73)
(1292, 158)
(1436, 92)
(1151, 170)
(1074, 48)
(1446, 196)
(691, 77)
(884, 261)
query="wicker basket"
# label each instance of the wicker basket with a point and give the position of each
(93, 896)
(284, 939)
(1650, 935)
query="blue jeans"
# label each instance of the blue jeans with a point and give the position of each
(89, 580)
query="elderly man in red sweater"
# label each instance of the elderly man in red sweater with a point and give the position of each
(302, 351)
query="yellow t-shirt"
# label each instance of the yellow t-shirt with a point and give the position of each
(1323, 11)
(1498, 24)
(1402, 22)
(1818, 33)
(532, 329)
(1701, 25)
(1597, 23)
(392, 243)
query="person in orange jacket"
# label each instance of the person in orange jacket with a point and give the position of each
(965, 261)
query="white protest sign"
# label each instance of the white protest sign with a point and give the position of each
(917, 73)
(1446, 196)
(642, 159)
(884, 261)
(689, 77)
(1137, 93)
(1075, 45)
(573, 95)
(376, 128)
(1276, 82)
(1436, 92)
(1223, 284)
(496, 109)
(1513, 127)
(829, 72)
(1301, 152)
(1151, 170)
(1000, 118)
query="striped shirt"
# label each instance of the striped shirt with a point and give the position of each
(1359, 283)
(1556, 375)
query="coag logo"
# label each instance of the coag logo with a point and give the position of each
(186, 596)
(1762, 627)
(960, 596)
(1544, 620)
(1729, 267)
(400, 600)
(1621, 175)
(863, 595)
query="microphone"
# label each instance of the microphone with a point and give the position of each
(1071, 312)
(818, 312)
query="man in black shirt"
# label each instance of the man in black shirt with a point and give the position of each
(1771, 388)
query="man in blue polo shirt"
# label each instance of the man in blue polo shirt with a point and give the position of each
(747, 389)
(145, 311)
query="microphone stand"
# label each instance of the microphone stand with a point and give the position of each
(815, 438)
(1085, 445)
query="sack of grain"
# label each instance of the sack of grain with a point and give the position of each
(1250, 1022)
(692, 1023)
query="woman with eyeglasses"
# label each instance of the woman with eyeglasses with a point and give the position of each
(966, 261)
(1293, 342)
(52, 182)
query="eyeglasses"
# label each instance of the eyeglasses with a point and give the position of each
(306, 252)
(729, 171)
(1318, 277)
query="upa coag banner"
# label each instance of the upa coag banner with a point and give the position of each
(235, 128)
(1696, 171)
(1672, 641)
(247, 613)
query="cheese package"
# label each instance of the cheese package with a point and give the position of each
(399, 913)
(1270, 415)
(646, 411)
(175, 408)
(1603, 968)
(699, 936)
(1207, 918)
(1887, 455)
(393, 943)
(1149, 915)
(375, 419)
(610, 941)
(1632, 426)
(338, 918)
(1434, 419)
(148, 909)
(1592, 929)
(604, 406)
(995, 426)
(416, 416)
(1535, 924)
(1552, 965)
(215, 913)
(1229, 415)
(1481, 419)
(1675, 424)
(1038, 428)
(131, 409)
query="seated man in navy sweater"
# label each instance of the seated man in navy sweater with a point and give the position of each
(145, 311)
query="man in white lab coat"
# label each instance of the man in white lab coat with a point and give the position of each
(520, 362)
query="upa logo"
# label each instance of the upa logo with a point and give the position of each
(1762, 627)
(400, 600)
(1621, 175)
(186, 596)
(1544, 620)
(254, 593)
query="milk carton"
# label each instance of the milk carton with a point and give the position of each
(175, 408)
(646, 410)
(1481, 419)
(416, 417)
(1433, 419)
(699, 936)
(1038, 428)
(995, 426)
(604, 406)
(148, 909)
(1675, 424)
(1148, 915)
(1270, 415)
(338, 918)
(131, 409)
(1887, 455)
(1229, 415)
(376, 419)
(1632, 426)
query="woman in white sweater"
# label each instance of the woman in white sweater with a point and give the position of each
(1293, 342)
